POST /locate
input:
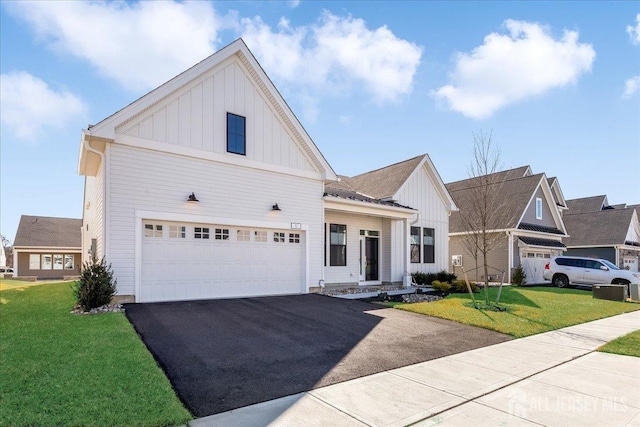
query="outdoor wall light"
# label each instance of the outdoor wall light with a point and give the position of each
(192, 198)
(275, 207)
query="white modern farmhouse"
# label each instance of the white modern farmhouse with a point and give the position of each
(209, 187)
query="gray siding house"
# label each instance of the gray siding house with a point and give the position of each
(599, 230)
(531, 230)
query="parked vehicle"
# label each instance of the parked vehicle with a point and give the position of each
(563, 271)
(6, 272)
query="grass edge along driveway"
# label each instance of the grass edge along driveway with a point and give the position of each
(61, 369)
(531, 310)
(627, 345)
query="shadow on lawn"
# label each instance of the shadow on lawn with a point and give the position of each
(510, 296)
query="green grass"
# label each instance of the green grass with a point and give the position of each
(628, 345)
(60, 369)
(6, 284)
(531, 310)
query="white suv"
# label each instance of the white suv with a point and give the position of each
(569, 270)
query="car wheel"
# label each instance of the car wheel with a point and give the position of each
(560, 281)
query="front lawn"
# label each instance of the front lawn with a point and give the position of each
(60, 369)
(628, 345)
(531, 310)
(6, 283)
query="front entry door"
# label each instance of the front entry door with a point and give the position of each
(368, 259)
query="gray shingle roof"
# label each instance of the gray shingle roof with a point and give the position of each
(498, 176)
(586, 204)
(549, 243)
(383, 183)
(516, 192)
(606, 227)
(43, 231)
(352, 195)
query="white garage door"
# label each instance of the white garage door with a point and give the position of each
(201, 261)
(533, 264)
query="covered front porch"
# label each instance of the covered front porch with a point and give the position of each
(366, 243)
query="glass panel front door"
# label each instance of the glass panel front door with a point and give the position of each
(371, 253)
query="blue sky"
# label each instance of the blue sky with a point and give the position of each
(557, 83)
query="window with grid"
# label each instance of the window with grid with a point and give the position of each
(294, 237)
(201, 232)
(243, 236)
(177, 231)
(278, 237)
(152, 230)
(222, 234)
(260, 236)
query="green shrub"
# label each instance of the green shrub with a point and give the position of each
(426, 279)
(445, 276)
(441, 286)
(460, 287)
(96, 286)
(519, 276)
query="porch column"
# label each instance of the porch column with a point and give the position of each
(510, 243)
(15, 263)
(407, 255)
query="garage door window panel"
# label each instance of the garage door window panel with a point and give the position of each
(201, 232)
(278, 237)
(152, 230)
(260, 236)
(243, 236)
(222, 234)
(294, 237)
(177, 231)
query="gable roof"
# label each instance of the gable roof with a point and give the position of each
(558, 197)
(516, 192)
(586, 204)
(105, 129)
(605, 227)
(43, 231)
(385, 182)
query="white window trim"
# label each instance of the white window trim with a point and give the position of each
(538, 208)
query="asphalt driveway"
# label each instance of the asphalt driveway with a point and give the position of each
(225, 354)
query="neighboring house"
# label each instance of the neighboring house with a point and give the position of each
(558, 196)
(47, 248)
(3, 257)
(532, 230)
(599, 230)
(209, 187)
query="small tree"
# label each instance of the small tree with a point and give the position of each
(96, 286)
(484, 209)
(519, 276)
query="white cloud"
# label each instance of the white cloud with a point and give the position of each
(140, 45)
(631, 86)
(30, 107)
(509, 68)
(294, 3)
(634, 31)
(333, 55)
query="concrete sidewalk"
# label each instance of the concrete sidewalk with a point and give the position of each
(550, 379)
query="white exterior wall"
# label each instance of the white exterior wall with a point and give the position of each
(147, 180)
(351, 272)
(196, 117)
(420, 193)
(93, 214)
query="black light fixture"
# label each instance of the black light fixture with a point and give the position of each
(275, 207)
(192, 198)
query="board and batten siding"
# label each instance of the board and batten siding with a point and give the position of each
(530, 214)
(420, 193)
(351, 272)
(196, 115)
(155, 181)
(93, 214)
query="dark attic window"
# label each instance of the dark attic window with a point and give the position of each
(236, 134)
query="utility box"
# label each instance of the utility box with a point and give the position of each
(634, 291)
(610, 292)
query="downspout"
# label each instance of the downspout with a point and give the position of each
(510, 255)
(89, 148)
